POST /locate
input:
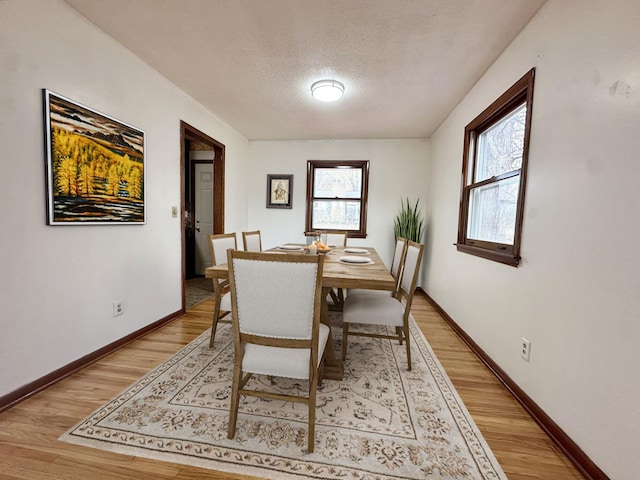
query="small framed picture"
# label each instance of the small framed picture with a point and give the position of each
(279, 191)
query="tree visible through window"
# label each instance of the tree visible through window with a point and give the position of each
(337, 196)
(493, 176)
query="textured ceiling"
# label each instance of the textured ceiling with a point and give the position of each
(405, 64)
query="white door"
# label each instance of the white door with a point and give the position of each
(203, 214)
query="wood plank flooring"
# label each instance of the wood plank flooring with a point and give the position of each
(29, 446)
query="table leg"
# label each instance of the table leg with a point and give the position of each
(333, 368)
(337, 297)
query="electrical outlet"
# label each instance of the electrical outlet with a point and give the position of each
(525, 349)
(118, 308)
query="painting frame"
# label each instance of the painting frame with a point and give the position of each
(279, 191)
(95, 166)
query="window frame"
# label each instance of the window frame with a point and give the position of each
(518, 94)
(361, 164)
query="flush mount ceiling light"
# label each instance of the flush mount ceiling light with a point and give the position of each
(327, 90)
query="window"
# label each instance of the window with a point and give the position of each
(494, 169)
(337, 196)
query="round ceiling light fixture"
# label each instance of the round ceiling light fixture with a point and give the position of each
(327, 90)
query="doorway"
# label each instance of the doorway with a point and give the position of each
(202, 203)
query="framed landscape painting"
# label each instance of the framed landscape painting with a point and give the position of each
(95, 166)
(279, 191)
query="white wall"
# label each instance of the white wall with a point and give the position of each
(398, 169)
(576, 295)
(57, 283)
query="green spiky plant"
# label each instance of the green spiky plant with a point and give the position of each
(409, 223)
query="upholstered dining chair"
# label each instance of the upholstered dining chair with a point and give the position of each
(218, 246)
(337, 238)
(397, 263)
(252, 241)
(385, 309)
(276, 326)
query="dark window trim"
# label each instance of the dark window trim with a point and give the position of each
(520, 92)
(362, 164)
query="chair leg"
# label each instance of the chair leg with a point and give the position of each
(406, 339)
(214, 323)
(320, 372)
(345, 335)
(312, 413)
(235, 399)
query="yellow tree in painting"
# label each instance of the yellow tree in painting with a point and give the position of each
(66, 177)
(135, 183)
(113, 181)
(85, 179)
(82, 167)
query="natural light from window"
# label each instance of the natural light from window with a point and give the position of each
(337, 196)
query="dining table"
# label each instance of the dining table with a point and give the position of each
(344, 268)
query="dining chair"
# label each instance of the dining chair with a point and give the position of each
(252, 241)
(276, 326)
(337, 238)
(397, 263)
(218, 246)
(385, 309)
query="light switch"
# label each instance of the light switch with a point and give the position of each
(174, 212)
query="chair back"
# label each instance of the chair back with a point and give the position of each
(398, 256)
(276, 296)
(398, 260)
(218, 246)
(252, 241)
(410, 272)
(338, 239)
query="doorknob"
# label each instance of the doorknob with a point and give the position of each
(197, 229)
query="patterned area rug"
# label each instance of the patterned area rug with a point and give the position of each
(380, 422)
(197, 290)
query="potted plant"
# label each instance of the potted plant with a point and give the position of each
(409, 223)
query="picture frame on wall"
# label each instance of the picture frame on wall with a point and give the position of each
(279, 191)
(95, 166)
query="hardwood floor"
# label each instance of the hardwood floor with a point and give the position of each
(524, 451)
(29, 446)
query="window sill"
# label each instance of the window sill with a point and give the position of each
(506, 258)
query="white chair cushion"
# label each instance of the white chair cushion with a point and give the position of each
(225, 302)
(410, 267)
(253, 243)
(282, 362)
(292, 296)
(336, 239)
(373, 310)
(397, 257)
(366, 292)
(220, 247)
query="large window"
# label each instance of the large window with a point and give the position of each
(494, 170)
(337, 196)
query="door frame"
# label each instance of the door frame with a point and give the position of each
(190, 133)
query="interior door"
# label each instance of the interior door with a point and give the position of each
(203, 221)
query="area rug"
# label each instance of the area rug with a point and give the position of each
(380, 422)
(197, 290)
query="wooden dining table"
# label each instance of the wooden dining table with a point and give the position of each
(336, 274)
